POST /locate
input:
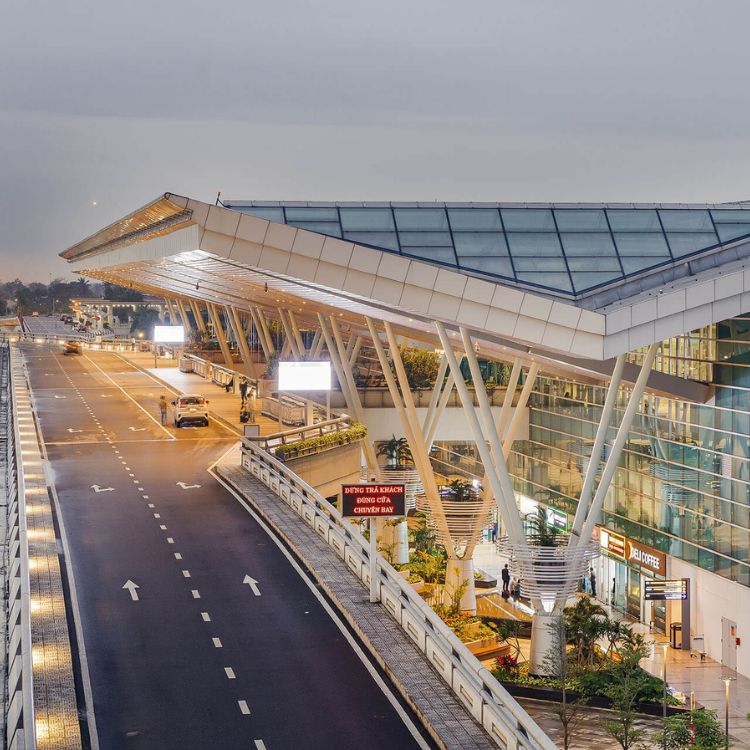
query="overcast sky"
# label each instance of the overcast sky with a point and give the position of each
(116, 103)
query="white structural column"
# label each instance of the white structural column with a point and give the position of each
(290, 341)
(170, 311)
(239, 333)
(435, 395)
(596, 451)
(260, 333)
(440, 409)
(510, 391)
(198, 315)
(297, 335)
(417, 446)
(354, 353)
(622, 435)
(518, 415)
(317, 345)
(261, 318)
(184, 316)
(226, 352)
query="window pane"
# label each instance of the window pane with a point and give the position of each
(539, 264)
(366, 218)
(385, 240)
(533, 244)
(488, 264)
(321, 227)
(583, 281)
(474, 218)
(587, 244)
(311, 214)
(732, 231)
(438, 254)
(440, 239)
(528, 220)
(648, 244)
(633, 220)
(420, 218)
(581, 220)
(597, 263)
(476, 243)
(272, 214)
(724, 216)
(635, 264)
(683, 243)
(551, 280)
(676, 220)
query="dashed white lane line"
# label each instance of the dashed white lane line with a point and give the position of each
(186, 574)
(230, 673)
(217, 642)
(131, 473)
(157, 515)
(260, 745)
(145, 497)
(196, 594)
(244, 707)
(140, 489)
(177, 556)
(151, 505)
(163, 527)
(206, 617)
(170, 540)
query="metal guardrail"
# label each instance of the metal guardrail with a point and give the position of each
(289, 437)
(506, 722)
(19, 717)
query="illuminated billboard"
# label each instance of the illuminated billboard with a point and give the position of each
(304, 376)
(169, 334)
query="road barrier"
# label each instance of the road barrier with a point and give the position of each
(19, 716)
(505, 721)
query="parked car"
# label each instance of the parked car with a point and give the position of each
(190, 409)
(72, 347)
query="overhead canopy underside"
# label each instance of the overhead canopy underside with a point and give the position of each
(184, 248)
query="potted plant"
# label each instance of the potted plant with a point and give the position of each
(396, 451)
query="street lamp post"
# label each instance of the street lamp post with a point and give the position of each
(664, 647)
(726, 681)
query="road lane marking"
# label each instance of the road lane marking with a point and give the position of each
(177, 556)
(253, 585)
(151, 505)
(206, 617)
(145, 497)
(186, 574)
(217, 642)
(140, 489)
(243, 707)
(131, 587)
(188, 486)
(170, 540)
(157, 515)
(98, 489)
(163, 527)
(260, 745)
(196, 594)
(230, 673)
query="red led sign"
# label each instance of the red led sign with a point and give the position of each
(372, 500)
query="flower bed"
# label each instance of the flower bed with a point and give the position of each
(321, 442)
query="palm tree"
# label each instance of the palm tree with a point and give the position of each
(585, 623)
(540, 532)
(397, 452)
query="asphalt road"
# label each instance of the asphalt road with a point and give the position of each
(198, 660)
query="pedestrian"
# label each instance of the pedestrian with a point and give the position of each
(614, 586)
(251, 403)
(517, 589)
(230, 385)
(505, 575)
(592, 579)
(243, 388)
(163, 408)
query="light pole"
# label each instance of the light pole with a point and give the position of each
(726, 681)
(664, 647)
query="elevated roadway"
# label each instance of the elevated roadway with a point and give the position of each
(198, 632)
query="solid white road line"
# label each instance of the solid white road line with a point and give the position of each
(331, 613)
(217, 642)
(243, 707)
(230, 673)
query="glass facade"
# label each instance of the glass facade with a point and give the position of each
(566, 250)
(683, 484)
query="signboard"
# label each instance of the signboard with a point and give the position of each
(557, 519)
(645, 557)
(372, 500)
(612, 543)
(304, 376)
(169, 334)
(668, 591)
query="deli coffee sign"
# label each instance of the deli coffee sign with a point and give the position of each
(373, 500)
(645, 557)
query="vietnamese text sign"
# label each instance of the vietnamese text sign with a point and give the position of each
(169, 334)
(372, 500)
(666, 590)
(304, 376)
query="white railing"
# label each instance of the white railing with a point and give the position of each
(506, 722)
(19, 717)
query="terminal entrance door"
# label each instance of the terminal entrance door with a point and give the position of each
(729, 644)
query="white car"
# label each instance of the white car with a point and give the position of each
(190, 409)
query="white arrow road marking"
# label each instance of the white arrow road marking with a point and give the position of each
(131, 587)
(71, 430)
(136, 429)
(106, 395)
(253, 584)
(97, 488)
(188, 486)
(58, 396)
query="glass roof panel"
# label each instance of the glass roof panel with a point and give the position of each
(679, 220)
(321, 227)
(584, 243)
(470, 219)
(420, 218)
(488, 264)
(437, 239)
(581, 220)
(533, 243)
(727, 216)
(437, 254)
(370, 219)
(272, 214)
(386, 240)
(646, 245)
(528, 220)
(588, 280)
(476, 243)
(633, 220)
(732, 231)
(683, 243)
(311, 213)
(559, 281)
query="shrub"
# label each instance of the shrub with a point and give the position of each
(356, 432)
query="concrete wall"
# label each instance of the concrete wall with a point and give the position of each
(711, 598)
(382, 424)
(327, 471)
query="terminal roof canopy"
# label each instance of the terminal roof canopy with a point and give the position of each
(572, 249)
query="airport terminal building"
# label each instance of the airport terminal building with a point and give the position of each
(627, 325)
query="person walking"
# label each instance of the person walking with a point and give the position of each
(614, 589)
(505, 575)
(592, 580)
(243, 388)
(163, 408)
(251, 403)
